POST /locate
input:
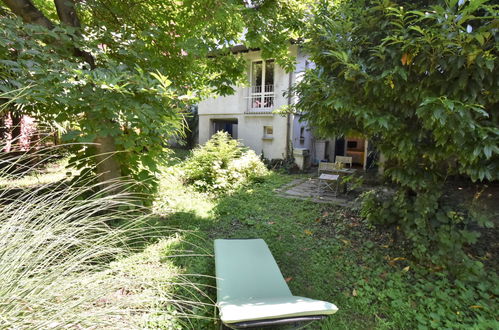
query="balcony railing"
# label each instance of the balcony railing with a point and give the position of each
(261, 100)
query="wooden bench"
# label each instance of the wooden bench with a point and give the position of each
(251, 291)
(325, 167)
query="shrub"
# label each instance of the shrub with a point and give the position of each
(417, 79)
(222, 165)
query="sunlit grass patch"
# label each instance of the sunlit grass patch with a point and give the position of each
(49, 173)
(174, 196)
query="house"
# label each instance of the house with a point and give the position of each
(248, 115)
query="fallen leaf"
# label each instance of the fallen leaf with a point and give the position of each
(354, 292)
(405, 269)
(404, 59)
(392, 262)
(398, 259)
(287, 279)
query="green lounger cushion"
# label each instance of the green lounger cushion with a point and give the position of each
(253, 309)
(250, 285)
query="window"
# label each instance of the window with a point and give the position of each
(302, 135)
(262, 84)
(351, 144)
(268, 132)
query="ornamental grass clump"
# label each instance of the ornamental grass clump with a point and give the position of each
(222, 165)
(73, 255)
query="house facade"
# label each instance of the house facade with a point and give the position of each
(248, 115)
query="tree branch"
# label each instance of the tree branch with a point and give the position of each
(28, 12)
(66, 10)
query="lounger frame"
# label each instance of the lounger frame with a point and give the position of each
(297, 321)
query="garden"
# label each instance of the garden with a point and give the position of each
(109, 210)
(156, 269)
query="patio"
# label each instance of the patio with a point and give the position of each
(306, 188)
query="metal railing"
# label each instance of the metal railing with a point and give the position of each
(259, 100)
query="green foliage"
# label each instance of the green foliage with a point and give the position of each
(428, 223)
(139, 110)
(420, 82)
(153, 61)
(223, 165)
(430, 301)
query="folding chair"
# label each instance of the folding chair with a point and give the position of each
(328, 181)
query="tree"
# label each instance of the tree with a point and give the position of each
(124, 76)
(421, 81)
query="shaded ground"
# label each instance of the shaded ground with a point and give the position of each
(482, 199)
(326, 252)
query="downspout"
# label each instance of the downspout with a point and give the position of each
(288, 120)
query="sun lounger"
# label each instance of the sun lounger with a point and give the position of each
(251, 291)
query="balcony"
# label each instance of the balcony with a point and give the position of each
(260, 101)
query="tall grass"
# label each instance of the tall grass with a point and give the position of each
(64, 261)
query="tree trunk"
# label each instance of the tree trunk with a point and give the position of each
(15, 137)
(66, 10)
(108, 169)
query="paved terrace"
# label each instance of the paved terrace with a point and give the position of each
(306, 188)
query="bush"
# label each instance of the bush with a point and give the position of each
(222, 165)
(416, 78)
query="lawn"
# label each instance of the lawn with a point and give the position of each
(325, 252)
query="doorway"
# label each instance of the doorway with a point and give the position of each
(226, 125)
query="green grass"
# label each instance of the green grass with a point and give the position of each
(98, 262)
(325, 252)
